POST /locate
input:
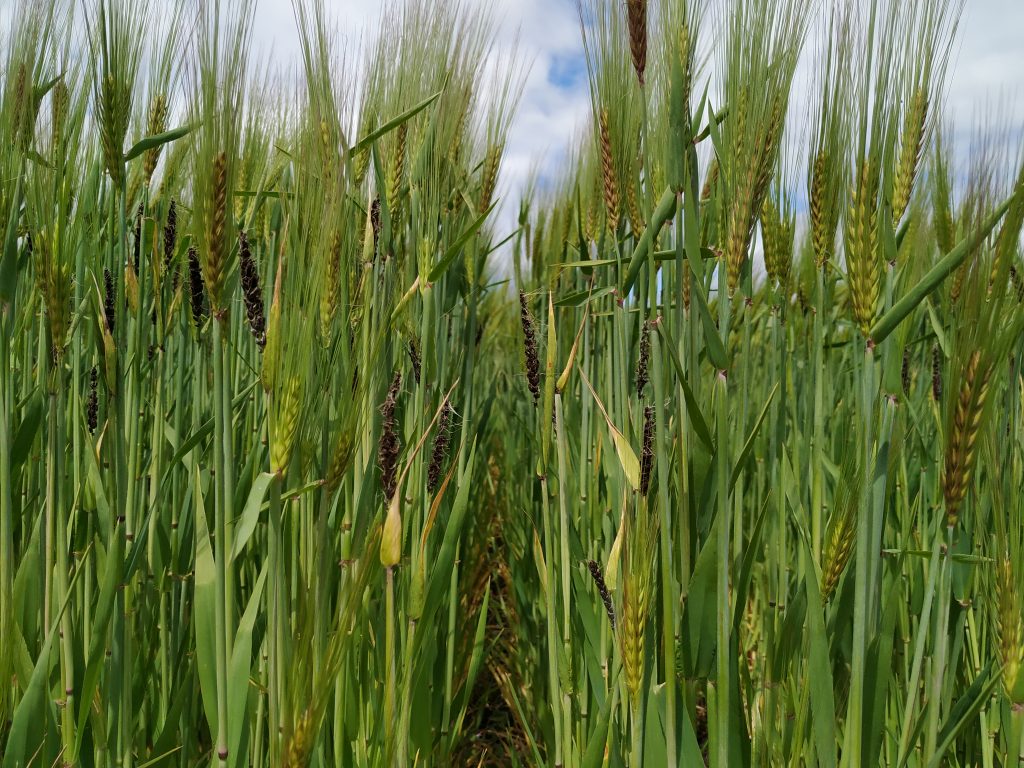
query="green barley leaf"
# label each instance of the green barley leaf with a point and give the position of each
(239, 686)
(27, 430)
(664, 211)
(819, 668)
(456, 247)
(250, 513)
(204, 609)
(700, 425)
(931, 280)
(152, 142)
(393, 123)
(748, 446)
(17, 751)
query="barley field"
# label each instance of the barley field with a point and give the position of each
(321, 446)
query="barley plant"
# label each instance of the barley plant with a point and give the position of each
(711, 453)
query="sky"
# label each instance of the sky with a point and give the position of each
(986, 78)
(555, 98)
(986, 81)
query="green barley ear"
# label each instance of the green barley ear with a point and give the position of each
(329, 298)
(489, 175)
(841, 536)
(762, 46)
(156, 123)
(636, 22)
(1006, 578)
(877, 95)
(678, 64)
(53, 269)
(617, 100)
(930, 28)
(21, 98)
(591, 182)
(23, 60)
(167, 35)
(864, 269)
(972, 380)
(300, 741)
(911, 145)
(218, 102)
(942, 196)
(118, 31)
(60, 106)
(990, 325)
(778, 229)
(1010, 625)
(214, 207)
(396, 171)
(610, 185)
(1007, 244)
(286, 404)
(637, 587)
(56, 218)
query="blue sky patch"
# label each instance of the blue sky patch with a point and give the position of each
(567, 71)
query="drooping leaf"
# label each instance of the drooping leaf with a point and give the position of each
(157, 140)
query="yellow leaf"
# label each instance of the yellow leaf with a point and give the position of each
(627, 457)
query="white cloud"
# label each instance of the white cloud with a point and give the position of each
(547, 35)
